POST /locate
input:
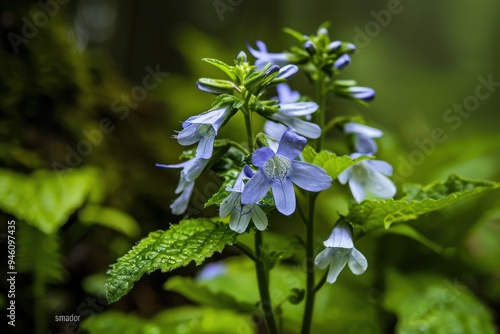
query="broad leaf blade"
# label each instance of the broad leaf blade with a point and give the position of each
(333, 164)
(371, 214)
(427, 303)
(190, 240)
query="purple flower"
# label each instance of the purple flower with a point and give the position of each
(342, 62)
(356, 92)
(368, 175)
(339, 252)
(287, 114)
(192, 169)
(363, 137)
(264, 57)
(279, 171)
(242, 213)
(211, 271)
(203, 129)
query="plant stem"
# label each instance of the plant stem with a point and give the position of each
(321, 282)
(248, 122)
(263, 281)
(239, 147)
(40, 309)
(310, 292)
(245, 250)
(320, 113)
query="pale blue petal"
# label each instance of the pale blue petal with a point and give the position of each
(180, 165)
(297, 108)
(380, 166)
(362, 129)
(189, 135)
(287, 71)
(209, 117)
(336, 266)
(342, 62)
(362, 93)
(284, 196)
(344, 176)
(364, 144)
(291, 145)
(194, 169)
(238, 183)
(275, 130)
(381, 186)
(256, 188)
(309, 177)
(239, 222)
(259, 218)
(205, 147)
(228, 204)
(357, 262)
(286, 94)
(323, 259)
(211, 270)
(341, 237)
(307, 129)
(181, 185)
(357, 189)
(260, 156)
(179, 206)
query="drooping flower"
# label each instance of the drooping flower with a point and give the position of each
(242, 213)
(368, 176)
(203, 128)
(279, 171)
(287, 114)
(340, 251)
(191, 170)
(263, 57)
(363, 137)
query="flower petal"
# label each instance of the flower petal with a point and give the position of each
(297, 108)
(189, 135)
(286, 94)
(179, 206)
(362, 129)
(381, 186)
(209, 117)
(256, 188)
(291, 145)
(341, 237)
(239, 222)
(323, 259)
(260, 156)
(228, 204)
(194, 169)
(259, 218)
(380, 166)
(275, 130)
(357, 262)
(307, 129)
(357, 189)
(284, 196)
(287, 71)
(309, 177)
(205, 147)
(365, 144)
(337, 263)
(344, 176)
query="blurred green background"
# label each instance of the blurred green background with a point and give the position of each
(61, 78)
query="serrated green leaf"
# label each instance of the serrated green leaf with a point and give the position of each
(45, 199)
(371, 214)
(333, 164)
(223, 66)
(190, 240)
(111, 218)
(204, 296)
(428, 303)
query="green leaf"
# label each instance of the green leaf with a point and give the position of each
(223, 66)
(204, 296)
(309, 154)
(371, 214)
(109, 217)
(294, 33)
(332, 164)
(190, 240)
(185, 320)
(410, 232)
(217, 85)
(428, 303)
(45, 199)
(222, 193)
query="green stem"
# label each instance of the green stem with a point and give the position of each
(320, 113)
(310, 292)
(239, 147)
(248, 122)
(263, 282)
(40, 308)
(321, 282)
(247, 251)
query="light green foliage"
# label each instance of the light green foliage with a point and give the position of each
(109, 217)
(182, 320)
(39, 253)
(428, 303)
(331, 163)
(43, 199)
(371, 214)
(205, 297)
(191, 240)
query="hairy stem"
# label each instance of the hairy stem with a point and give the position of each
(263, 282)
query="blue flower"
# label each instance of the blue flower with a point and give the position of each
(363, 137)
(279, 171)
(241, 213)
(365, 94)
(192, 169)
(339, 252)
(211, 271)
(368, 175)
(203, 129)
(264, 57)
(287, 114)
(342, 62)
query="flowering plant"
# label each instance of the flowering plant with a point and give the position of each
(285, 166)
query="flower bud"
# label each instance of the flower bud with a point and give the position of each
(310, 47)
